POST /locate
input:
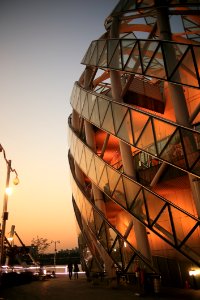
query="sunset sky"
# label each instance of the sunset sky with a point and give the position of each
(42, 43)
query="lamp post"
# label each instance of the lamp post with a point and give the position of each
(55, 242)
(5, 202)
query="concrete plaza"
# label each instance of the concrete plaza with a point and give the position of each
(61, 288)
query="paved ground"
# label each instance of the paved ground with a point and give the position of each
(61, 288)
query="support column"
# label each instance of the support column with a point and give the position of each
(98, 195)
(126, 154)
(176, 91)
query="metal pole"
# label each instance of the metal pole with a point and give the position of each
(5, 213)
(55, 258)
(54, 261)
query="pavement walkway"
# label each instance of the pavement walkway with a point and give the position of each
(62, 288)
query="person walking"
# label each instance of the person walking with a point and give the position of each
(76, 270)
(70, 268)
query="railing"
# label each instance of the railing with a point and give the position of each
(155, 211)
(158, 137)
(134, 56)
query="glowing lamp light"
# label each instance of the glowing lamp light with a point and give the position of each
(8, 191)
(10, 239)
(16, 180)
(194, 272)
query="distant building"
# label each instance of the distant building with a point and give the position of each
(135, 142)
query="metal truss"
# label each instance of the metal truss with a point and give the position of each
(117, 246)
(155, 212)
(134, 56)
(163, 139)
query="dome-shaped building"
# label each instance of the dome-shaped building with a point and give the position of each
(135, 142)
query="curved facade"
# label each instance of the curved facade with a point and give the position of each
(135, 142)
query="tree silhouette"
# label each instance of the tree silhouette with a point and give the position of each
(41, 244)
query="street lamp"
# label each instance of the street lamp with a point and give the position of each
(5, 202)
(55, 242)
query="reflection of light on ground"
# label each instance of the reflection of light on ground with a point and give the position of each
(59, 270)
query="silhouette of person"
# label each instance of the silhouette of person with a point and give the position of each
(70, 268)
(76, 270)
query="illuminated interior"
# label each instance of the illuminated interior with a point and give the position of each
(134, 136)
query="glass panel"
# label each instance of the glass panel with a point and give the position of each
(138, 208)
(76, 98)
(119, 112)
(79, 150)
(112, 237)
(183, 224)
(98, 221)
(103, 236)
(147, 52)
(156, 67)
(119, 194)
(82, 163)
(125, 131)
(196, 168)
(169, 52)
(74, 146)
(100, 165)
(127, 254)
(127, 46)
(131, 190)
(113, 178)
(85, 111)
(92, 171)
(131, 238)
(83, 212)
(82, 99)
(116, 253)
(100, 46)
(92, 47)
(88, 156)
(187, 64)
(103, 106)
(112, 211)
(134, 63)
(103, 58)
(73, 94)
(91, 101)
(173, 152)
(72, 143)
(91, 221)
(103, 183)
(163, 226)
(108, 121)
(94, 58)
(190, 144)
(154, 205)
(116, 62)
(88, 209)
(123, 221)
(163, 132)
(180, 50)
(139, 120)
(112, 46)
(146, 140)
(191, 247)
(95, 115)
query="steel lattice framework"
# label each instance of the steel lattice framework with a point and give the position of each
(142, 95)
